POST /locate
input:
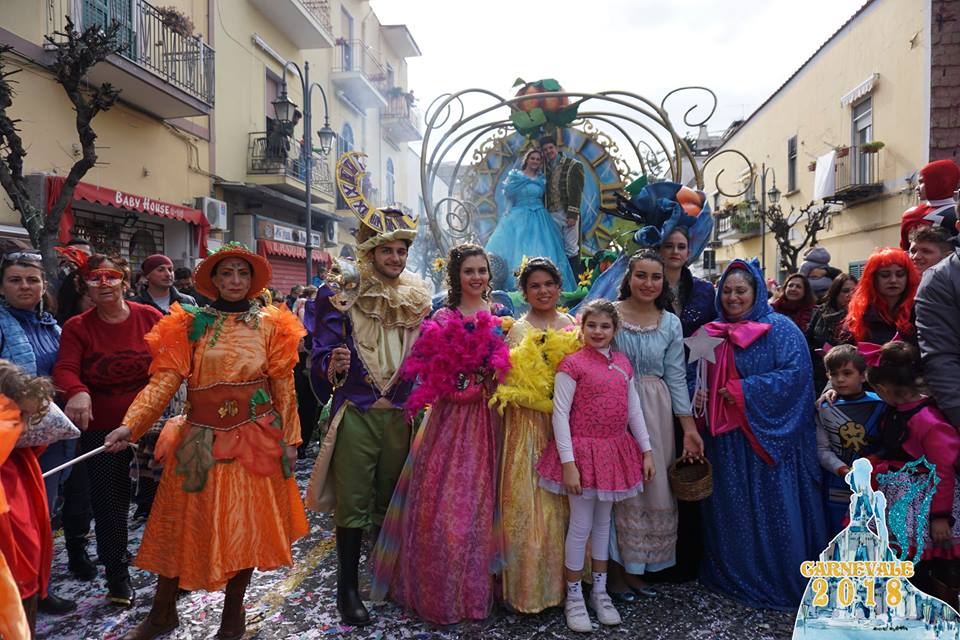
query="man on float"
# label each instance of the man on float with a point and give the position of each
(358, 353)
(564, 189)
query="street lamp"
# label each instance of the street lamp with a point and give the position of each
(285, 110)
(774, 196)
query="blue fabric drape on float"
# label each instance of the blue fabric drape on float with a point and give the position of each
(763, 521)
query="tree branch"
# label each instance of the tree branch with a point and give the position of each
(76, 53)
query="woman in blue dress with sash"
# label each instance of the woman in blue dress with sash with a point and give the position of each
(527, 228)
(766, 515)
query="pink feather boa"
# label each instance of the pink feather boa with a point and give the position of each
(449, 347)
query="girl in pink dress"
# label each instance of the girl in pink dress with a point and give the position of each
(915, 427)
(594, 459)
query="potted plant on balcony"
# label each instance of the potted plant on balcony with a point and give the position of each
(176, 21)
(812, 166)
(842, 151)
(872, 147)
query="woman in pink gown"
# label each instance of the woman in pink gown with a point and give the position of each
(437, 551)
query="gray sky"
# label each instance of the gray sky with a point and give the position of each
(743, 50)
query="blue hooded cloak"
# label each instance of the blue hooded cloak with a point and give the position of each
(763, 520)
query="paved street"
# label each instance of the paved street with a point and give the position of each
(298, 602)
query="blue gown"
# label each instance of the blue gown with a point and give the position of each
(763, 521)
(528, 230)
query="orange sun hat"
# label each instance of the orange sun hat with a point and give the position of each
(203, 272)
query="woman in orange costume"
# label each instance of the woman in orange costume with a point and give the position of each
(228, 502)
(13, 620)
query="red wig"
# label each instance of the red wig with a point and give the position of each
(866, 297)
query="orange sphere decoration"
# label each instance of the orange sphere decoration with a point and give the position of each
(553, 103)
(531, 104)
(690, 200)
(691, 209)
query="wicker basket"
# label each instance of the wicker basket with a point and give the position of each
(691, 481)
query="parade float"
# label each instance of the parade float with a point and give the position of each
(641, 177)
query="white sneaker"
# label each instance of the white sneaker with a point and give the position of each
(575, 611)
(607, 614)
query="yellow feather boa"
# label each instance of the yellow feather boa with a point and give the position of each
(533, 365)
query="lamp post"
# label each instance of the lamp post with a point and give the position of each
(774, 195)
(284, 109)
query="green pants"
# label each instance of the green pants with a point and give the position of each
(367, 460)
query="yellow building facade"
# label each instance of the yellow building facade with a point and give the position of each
(192, 130)
(361, 67)
(153, 146)
(870, 82)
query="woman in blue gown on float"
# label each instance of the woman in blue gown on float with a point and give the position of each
(527, 228)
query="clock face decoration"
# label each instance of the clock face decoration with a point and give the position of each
(604, 174)
(351, 173)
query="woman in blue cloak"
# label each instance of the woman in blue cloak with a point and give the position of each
(766, 515)
(527, 228)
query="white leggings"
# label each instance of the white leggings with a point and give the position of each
(589, 517)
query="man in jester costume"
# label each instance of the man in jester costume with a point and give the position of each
(358, 350)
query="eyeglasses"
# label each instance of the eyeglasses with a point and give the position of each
(22, 255)
(103, 278)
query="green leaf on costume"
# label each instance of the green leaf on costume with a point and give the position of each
(201, 320)
(284, 463)
(549, 84)
(195, 459)
(519, 81)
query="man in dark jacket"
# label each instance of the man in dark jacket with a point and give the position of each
(158, 290)
(938, 330)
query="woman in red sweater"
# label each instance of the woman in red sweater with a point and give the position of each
(103, 364)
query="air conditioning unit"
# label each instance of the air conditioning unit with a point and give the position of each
(330, 233)
(215, 211)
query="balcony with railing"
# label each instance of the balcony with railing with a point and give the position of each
(359, 75)
(161, 67)
(857, 174)
(306, 22)
(738, 223)
(276, 161)
(400, 120)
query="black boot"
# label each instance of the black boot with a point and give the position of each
(80, 564)
(55, 606)
(349, 603)
(120, 590)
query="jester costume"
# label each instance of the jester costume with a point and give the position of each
(940, 180)
(227, 500)
(365, 446)
(564, 190)
(533, 520)
(766, 514)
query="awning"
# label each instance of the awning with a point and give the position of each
(860, 90)
(132, 202)
(268, 248)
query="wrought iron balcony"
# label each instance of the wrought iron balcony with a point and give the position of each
(401, 120)
(277, 162)
(359, 74)
(737, 225)
(306, 22)
(160, 67)
(857, 175)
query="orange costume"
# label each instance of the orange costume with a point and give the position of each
(227, 499)
(13, 620)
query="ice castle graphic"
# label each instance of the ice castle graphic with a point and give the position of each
(916, 614)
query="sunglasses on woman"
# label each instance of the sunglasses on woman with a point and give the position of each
(103, 278)
(22, 255)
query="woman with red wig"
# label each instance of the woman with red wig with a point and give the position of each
(882, 305)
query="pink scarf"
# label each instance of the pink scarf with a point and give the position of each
(724, 417)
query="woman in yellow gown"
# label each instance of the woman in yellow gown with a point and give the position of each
(533, 521)
(227, 501)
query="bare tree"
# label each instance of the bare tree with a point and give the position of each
(75, 53)
(814, 219)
